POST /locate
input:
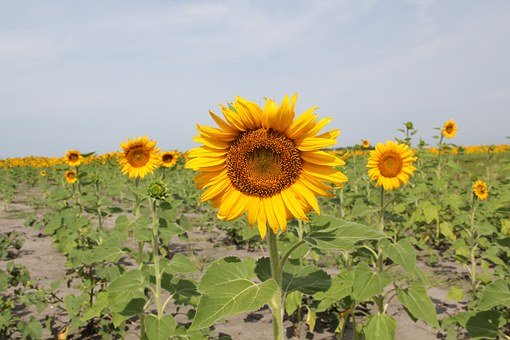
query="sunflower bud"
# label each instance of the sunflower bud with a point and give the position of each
(157, 190)
(409, 125)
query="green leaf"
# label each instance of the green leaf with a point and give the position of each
(380, 326)
(293, 301)
(328, 232)
(311, 317)
(180, 263)
(367, 283)
(402, 253)
(341, 286)
(455, 294)
(97, 307)
(447, 230)
(125, 294)
(495, 294)
(31, 330)
(129, 281)
(159, 329)
(430, 211)
(484, 325)
(418, 304)
(108, 254)
(306, 279)
(227, 289)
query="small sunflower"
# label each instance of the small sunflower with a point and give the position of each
(169, 159)
(73, 158)
(71, 176)
(263, 162)
(139, 157)
(42, 173)
(449, 129)
(390, 164)
(365, 144)
(480, 190)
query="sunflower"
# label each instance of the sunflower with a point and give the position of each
(169, 159)
(139, 157)
(73, 158)
(480, 190)
(365, 143)
(391, 164)
(42, 173)
(263, 162)
(71, 176)
(449, 129)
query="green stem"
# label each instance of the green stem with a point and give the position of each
(380, 266)
(289, 252)
(276, 303)
(155, 254)
(473, 243)
(440, 149)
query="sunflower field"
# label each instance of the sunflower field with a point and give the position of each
(265, 230)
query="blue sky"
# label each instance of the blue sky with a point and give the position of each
(90, 74)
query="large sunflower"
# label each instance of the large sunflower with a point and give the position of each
(390, 164)
(139, 157)
(449, 129)
(71, 176)
(73, 157)
(265, 163)
(169, 159)
(480, 190)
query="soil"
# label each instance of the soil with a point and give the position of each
(46, 265)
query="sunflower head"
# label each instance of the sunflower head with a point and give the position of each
(157, 190)
(365, 144)
(73, 158)
(449, 129)
(139, 157)
(169, 159)
(480, 190)
(390, 164)
(263, 162)
(71, 176)
(42, 173)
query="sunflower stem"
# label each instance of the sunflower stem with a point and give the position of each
(379, 261)
(155, 256)
(276, 303)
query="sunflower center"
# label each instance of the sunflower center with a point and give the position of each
(449, 128)
(390, 164)
(73, 157)
(137, 157)
(71, 175)
(167, 158)
(263, 162)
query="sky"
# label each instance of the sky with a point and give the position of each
(88, 75)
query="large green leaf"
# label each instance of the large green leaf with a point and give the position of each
(328, 232)
(402, 253)
(180, 263)
(380, 327)
(418, 304)
(109, 254)
(341, 286)
(125, 294)
(368, 283)
(495, 294)
(159, 329)
(484, 325)
(306, 279)
(227, 289)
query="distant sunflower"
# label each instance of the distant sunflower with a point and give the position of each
(71, 176)
(480, 190)
(265, 163)
(365, 143)
(169, 159)
(73, 157)
(139, 157)
(42, 173)
(390, 164)
(449, 129)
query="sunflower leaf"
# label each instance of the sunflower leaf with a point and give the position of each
(328, 232)
(227, 289)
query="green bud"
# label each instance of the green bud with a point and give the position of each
(157, 190)
(409, 125)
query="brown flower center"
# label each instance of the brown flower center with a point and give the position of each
(390, 164)
(263, 162)
(73, 157)
(167, 158)
(137, 156)
(71, 175)
(449, 128)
